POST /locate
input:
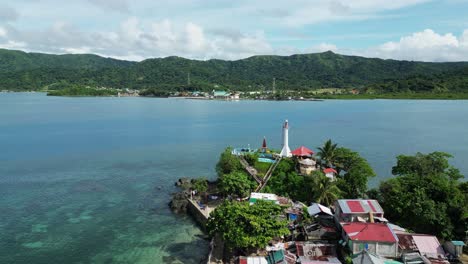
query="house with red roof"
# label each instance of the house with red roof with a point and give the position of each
(359, 210)
(330, 173)
(377, 238)
(304, 159)
(302, 152)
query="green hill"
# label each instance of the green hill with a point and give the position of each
(33, 71)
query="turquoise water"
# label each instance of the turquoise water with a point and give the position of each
(87, 180)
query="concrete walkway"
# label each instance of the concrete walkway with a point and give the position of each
(205, 212)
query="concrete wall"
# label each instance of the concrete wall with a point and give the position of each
(380, 249)
(197, 214)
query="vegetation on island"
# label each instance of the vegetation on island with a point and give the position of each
(298, 75)
(237, 184)
(82, 91)
(427, 194)
(245, 226)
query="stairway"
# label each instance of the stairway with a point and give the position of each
(268, 174)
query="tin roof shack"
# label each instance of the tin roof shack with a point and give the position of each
(281, 257)
(358, 211)
(455, 248)
(316, 252)
(377, 238)
(368, 258)
(317, 209)
(294, 212)
(321, 226)
(426, 245)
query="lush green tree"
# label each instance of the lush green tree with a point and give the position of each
(228, 163)
(426, 164)
(426, 195)
(326, 153)
(237, 183)
(324, 191)
(200, 184)
(286, 182)
(354, 173)
(33, 71)
(252, 158)
(247, 226)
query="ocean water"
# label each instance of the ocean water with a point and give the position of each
(87, 180)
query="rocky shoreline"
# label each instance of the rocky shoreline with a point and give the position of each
(179, 202)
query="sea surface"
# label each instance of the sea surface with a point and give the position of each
(87, 180)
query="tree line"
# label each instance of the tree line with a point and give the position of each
(34, 71)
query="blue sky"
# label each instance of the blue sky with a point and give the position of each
(204, 29)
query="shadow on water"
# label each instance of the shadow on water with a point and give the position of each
(185, 252)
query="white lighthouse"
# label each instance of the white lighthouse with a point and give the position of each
(285, 152)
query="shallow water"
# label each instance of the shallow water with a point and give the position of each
(87, 180)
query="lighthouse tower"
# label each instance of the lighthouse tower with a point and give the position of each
(285, 152)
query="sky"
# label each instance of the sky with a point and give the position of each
(419, 30)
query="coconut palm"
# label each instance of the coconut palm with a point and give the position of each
(324, 190)
(327, 153)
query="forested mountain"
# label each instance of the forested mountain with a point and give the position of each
(33, 71)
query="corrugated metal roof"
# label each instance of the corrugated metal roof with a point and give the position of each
(365, 257)
(316, 208)
(458, 243)
(369, 232)
(429, 246)
(315, 251)
(360, 206)
(220, 93)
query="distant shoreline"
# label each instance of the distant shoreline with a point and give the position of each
(421, 96)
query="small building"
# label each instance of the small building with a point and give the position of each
(281, 257)
(455, 247)
(318, 209)
(365, 257)
(271, 197)
(302, 152)
(426, 245)
(234, 96)
(377, 238)
(221, 94)
(316, 252)
(330, 173)
(306, 166)
(358, 210)
(294, 212)
(304, 159)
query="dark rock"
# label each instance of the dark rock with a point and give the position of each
(182, 182)
(179, 202)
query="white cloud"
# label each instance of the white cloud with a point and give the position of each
(426, 45)
(136, 40)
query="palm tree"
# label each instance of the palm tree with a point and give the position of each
(325, 191)
(327, 153)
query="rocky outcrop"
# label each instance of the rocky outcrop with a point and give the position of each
(179, 202)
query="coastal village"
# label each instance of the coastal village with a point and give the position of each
(345, 231)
